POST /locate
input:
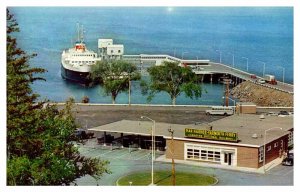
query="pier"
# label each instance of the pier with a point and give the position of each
(206, 69)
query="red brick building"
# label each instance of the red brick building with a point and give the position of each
(252, 134)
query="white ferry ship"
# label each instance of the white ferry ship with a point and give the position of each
(76, 62)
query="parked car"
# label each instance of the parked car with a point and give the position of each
(283, 114)
(261, 81)
(272, 114)
(288, 161)
(291, 155)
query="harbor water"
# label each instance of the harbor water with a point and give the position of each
(255, 34)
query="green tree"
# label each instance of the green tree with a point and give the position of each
(40, 141)
(115, 76)
(172, 79)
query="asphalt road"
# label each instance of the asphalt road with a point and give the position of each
(91, 116)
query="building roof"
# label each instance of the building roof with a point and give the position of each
(245, 125)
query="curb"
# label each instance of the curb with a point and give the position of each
(216, 182)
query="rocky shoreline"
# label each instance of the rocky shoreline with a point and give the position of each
(262, 96)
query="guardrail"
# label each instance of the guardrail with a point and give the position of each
(272, 87)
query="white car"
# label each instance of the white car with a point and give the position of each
(261, 81)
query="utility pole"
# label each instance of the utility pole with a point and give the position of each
(172, 153)
(226, 82)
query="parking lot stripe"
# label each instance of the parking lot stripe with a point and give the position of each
(87, 151)
(122, 155)
(136, 152)
(102, 154)
(119, 152)
(288, 172)
(148, 154)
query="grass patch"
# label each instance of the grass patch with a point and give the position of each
(164, 178)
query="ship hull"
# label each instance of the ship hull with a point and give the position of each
(81, 78)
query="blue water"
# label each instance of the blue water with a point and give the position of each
(258, 33)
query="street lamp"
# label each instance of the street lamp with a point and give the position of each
(247, 61)
(283, 72)
(172, 153)
(264, 68)
(264, 163)
(232, 58)
(153, 147)
(183, 54)
(220, 55)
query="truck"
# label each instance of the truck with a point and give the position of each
(270, 79)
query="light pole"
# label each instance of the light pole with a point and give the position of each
(232, 58)
(247, 61)
(153, 147)
(264, 163)
(220, 55)
(183, 54)
(283, 72)
(172, 153)
(264, 68)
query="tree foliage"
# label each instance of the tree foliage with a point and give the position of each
(172, 79)
(40, 147)
(115, 76)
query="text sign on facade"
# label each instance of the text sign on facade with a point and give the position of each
(213, 135)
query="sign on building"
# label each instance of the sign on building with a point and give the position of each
(212, 135)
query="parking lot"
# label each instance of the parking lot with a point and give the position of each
(124, 161)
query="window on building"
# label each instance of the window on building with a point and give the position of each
(261, 154)
(190, 153)
(269, 148)
(119, 51)
(276, 145)
(217, 156)
(203, 153)
(291, 138)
